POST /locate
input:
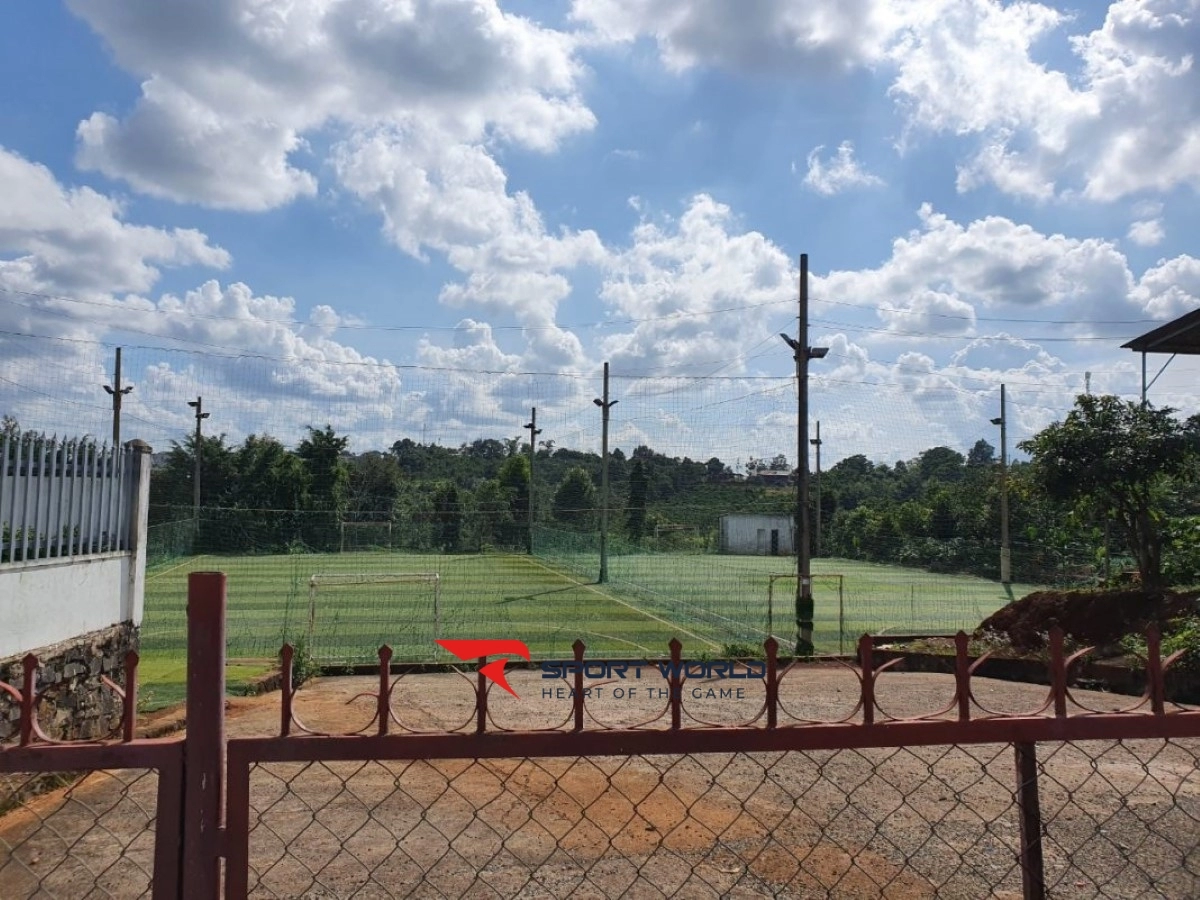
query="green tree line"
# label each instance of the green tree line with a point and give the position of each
(1113, 487)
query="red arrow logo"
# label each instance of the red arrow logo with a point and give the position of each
(473, 649)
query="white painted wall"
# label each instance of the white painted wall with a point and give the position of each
(45, 601)
(751, 534)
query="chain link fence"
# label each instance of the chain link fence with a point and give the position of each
(67, 837)
(1119, 819)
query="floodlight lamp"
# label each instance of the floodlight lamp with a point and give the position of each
(999, 421)
(817, 352)
(598, 402)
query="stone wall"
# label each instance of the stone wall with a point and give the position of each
(73, 704)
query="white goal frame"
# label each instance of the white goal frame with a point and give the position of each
(342, 526)
(320, 578)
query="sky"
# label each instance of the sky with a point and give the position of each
(421, 218)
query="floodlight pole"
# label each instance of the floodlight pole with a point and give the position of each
(201, 415)
(605, 405)
(1005, 547)
(534, 431)
(816, 442)
(117, 392)
(803, 353)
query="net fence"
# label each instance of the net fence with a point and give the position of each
(1120, 820)
(494, 480)
(70, 836)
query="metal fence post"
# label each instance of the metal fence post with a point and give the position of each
(205, 751)
(1029, 813)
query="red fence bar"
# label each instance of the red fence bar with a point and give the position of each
(737, 739)
(676, 684)
(383, 703)
(168, 837)
(577, 700)
(204, 757)
(866, 661)
(771, 646)
(237, 821)
(1029, 813)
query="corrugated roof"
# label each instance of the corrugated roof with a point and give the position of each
(1179, 336)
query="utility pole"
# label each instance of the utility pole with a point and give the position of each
(534, 431)
(1005, 548)
(816, 442)
(605, 405)
(201, 415)
(117, 392)
(803, 353)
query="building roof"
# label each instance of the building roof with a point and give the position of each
(1179, 336)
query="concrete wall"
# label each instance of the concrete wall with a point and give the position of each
(44, 602)
(79, 615)
(750, 535)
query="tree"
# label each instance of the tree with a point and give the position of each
(981, 455)
(447, 513)
(322, 452)
(635, 506)
(514, 481)
(1117, 458)
(575, 499)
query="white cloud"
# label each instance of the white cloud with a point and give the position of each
(76, 240)
(991, 264)
(674, 276)
(433, 192)
(232, 89)
(768, 36)
(841, 172)
(1127, 122)
(1147, 232)
(1171, 288)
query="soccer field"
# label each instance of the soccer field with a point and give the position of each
(707, 601)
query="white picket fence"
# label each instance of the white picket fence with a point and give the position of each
(63, 498)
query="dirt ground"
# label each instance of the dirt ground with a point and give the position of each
(1120, 820)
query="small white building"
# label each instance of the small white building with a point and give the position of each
(757, 535)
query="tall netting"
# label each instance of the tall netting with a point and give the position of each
(346, 465)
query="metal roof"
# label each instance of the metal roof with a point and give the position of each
(1179, 336)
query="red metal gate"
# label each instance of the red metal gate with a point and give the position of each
(959, 801)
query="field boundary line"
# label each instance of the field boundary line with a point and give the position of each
(624, 603)
(186, 562)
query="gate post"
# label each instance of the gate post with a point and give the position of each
(204, 754)
(1029, 814)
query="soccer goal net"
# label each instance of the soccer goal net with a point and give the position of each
(365, 536)
(351, 615)
(829, 610)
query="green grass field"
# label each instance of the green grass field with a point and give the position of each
(707, 601)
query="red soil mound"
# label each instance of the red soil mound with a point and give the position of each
(1095, 618)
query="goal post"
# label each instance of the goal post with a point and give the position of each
(830, 579)
(373, 585)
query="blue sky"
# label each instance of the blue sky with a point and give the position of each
(988, 193)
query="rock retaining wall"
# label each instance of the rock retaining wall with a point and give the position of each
(73, 704)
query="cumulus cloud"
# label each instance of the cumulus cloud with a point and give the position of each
(73, 240)
(675, 275)
(841, 172)
(231, 89)
(1119, 118)
(772, 36)
(942, 272)
(1127, 122)
(1147, 232)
